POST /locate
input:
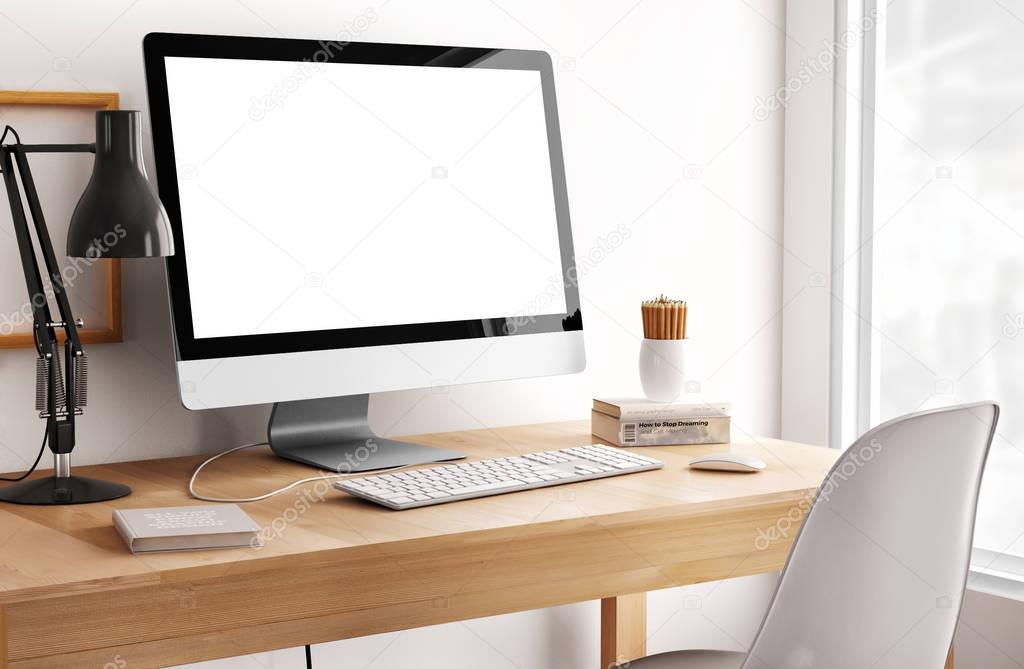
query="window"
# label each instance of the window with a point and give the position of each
(940, 267)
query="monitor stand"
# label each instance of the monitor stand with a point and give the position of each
(334, 434)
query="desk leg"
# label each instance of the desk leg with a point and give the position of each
(949, 660)
(3, 638)
(623, 629)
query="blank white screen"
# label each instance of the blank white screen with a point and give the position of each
(347, 195)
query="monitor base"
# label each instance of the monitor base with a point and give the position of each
(333, 434)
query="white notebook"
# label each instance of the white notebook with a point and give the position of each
(184, 528)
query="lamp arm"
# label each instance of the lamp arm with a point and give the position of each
(49, 258)
(60, 428)
(44, 336)
(30, 267)
(55, 148)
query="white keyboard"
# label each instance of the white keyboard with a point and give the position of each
(450, 483)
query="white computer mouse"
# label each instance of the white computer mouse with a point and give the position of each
(728, 462)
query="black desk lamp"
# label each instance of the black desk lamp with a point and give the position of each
(118, 216)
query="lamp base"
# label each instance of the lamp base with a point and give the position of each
(62, 490)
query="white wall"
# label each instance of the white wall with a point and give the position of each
(657, 100)
(988, 636)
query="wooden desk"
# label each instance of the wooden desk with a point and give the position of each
(74, 597)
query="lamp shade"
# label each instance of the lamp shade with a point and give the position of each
(119, 215)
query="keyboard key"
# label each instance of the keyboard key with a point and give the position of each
(467, 490)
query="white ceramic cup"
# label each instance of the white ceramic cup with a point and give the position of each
(661, 368)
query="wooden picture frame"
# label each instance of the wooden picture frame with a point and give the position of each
(113, 330)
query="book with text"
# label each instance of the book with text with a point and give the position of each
(661, 431)
(186, 528)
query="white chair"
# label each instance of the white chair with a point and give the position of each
(876, 575)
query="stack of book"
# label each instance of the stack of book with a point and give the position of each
(640, 422)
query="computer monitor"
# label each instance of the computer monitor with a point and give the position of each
(353, 218)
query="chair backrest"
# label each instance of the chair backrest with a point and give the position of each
(877, 573)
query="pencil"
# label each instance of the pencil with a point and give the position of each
(664, 318)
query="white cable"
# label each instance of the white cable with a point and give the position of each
(242, 500)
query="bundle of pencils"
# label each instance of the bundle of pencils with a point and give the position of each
(664, 318)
